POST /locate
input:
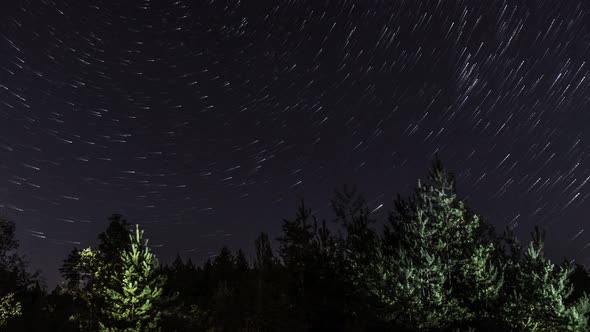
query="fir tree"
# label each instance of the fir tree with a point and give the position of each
(130, 306)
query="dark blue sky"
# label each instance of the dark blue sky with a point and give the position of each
(204, 121)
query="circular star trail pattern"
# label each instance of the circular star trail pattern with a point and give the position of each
(204, 121)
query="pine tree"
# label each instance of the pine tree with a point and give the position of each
(131, 305)
(358, 248)
(313, 264)
(182, 312)
(580, 279)
(270, 305)
(434, 269)
(265, 259)
(224, 264)
(89, 271)
(9, 308)
(18, 292)
(360, 240)
(537, 293)
(84, 283)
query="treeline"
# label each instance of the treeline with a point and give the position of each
(433, 265)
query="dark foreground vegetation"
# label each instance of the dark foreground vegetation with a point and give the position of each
(434, 265)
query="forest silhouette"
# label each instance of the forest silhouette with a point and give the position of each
(433, 265)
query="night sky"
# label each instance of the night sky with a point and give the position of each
(205, 121)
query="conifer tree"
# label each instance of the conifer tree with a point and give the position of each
(223, 298)
(356, 254)
(18, 291)
(86, 287)
(538, 291)
(87, 272)
(360, 240)
(312, 260)
(242, 264)
(264, 259)
(9, 308)
(269, 301)
(434, 268)
(580, 279)
(130, 306)
(182, 312)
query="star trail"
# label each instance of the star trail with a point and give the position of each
(205, 121)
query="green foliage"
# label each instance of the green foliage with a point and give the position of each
(9, 308)
(91, 275)
(536, 297)
(435, 270)
(358, 255)
(21, 292)
(131, 305)
(89, 271)
(14, 276)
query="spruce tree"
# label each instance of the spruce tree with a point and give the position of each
(131, 305)
(538, 291)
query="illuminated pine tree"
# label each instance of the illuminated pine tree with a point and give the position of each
(435, 269)
(538, 291)
(9, 308)
(89, 271)
(131, 304)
